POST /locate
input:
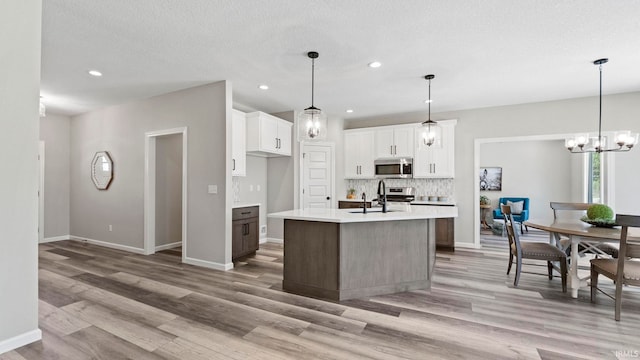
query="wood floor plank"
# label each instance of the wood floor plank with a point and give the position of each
(101, 303)
(57, 321)
(145, 337)
(100, 344)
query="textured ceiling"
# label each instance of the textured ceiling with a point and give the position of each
(483, 52)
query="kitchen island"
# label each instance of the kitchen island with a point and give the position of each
(340, 254)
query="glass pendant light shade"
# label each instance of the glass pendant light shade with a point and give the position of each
(312, 122)
(431, 131)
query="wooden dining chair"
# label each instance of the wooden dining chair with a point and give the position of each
(623, 270)
(532, 250)
(574, 211)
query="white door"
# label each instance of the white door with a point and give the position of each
(317, 176)
(269, 134)
(238, 144)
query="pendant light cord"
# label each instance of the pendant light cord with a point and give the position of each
(600, 112)
(313, 67)
(429, 99)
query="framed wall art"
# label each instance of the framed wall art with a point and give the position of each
(491, 178)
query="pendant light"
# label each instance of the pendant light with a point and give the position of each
(432, 132)
(584, 143)
(312, 122)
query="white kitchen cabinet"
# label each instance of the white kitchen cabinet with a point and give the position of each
(437, 160)
(394, 142)
(268, 135)
(359, 154)
(238, 143)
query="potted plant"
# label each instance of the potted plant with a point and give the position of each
(351, 193)
(484, 200)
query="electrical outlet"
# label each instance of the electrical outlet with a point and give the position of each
(110, 227)
(213, 189)
(250, 187)
(258, 187)
(263, 229)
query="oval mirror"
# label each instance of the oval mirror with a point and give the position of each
(102, 170)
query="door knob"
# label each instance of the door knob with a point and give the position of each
(328, 197)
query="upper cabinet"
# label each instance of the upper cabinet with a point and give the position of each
(238, 143)
(268, 135)
(437, 160)
(394, 142)
(358, 154)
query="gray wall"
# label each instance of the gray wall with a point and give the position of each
(19, 94)
(246, 187)
(168, 189)
(539, 170)
(54, 131)
(620, 111)
(205, 111)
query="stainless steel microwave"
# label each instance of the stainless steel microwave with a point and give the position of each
(397, 168)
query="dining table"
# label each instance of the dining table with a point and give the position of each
(580, 233)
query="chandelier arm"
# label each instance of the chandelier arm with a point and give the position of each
(429, 102)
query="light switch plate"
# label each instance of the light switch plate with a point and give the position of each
(213, 189)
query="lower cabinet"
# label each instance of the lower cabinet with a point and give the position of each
(244, 238)
(444, 234)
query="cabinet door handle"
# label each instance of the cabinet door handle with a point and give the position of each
(391, 149)
(395, 150)
(246, 213)
(234, 164)
(434, 168)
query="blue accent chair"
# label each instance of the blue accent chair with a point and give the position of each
(519, 218)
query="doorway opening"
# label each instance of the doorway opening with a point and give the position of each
(165, 191)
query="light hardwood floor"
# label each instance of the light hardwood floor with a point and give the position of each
(99, 303)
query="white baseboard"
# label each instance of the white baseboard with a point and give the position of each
(168, 246)
(466, 245)
(263, 240)
(20, 340)
(208, 264)
(109, 245)
(275, 240)
(55, 238)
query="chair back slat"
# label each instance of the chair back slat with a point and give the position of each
(512, 234)
(628, 248)
(569, 210)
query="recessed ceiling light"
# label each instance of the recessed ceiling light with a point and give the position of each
(95, 73)
(263, 87)
(375, 64)
(350, 111)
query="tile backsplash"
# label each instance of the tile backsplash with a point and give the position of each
(434, 187)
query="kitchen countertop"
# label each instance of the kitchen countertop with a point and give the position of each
(397, 212)
(241, 205)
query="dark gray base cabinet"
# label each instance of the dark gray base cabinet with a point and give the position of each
(245, 231)
(352, 204)
(445, 234)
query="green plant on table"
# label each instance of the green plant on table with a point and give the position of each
(484, 200)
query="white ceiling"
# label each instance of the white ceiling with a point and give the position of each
(483, 52)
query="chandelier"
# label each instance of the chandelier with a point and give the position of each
(312, 122)
(432, 131)
(585, 143)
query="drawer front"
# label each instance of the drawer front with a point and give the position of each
(352, 204)
(245, 212)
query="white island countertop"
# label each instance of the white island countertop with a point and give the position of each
(396, 212)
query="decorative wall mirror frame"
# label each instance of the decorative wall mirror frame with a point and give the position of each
(102, 170)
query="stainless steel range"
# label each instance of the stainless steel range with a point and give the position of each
(400, 194)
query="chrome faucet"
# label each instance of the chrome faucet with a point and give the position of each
(364, 203)
(382, 195)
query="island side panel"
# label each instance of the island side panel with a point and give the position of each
(386, 257)
(311, 258)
